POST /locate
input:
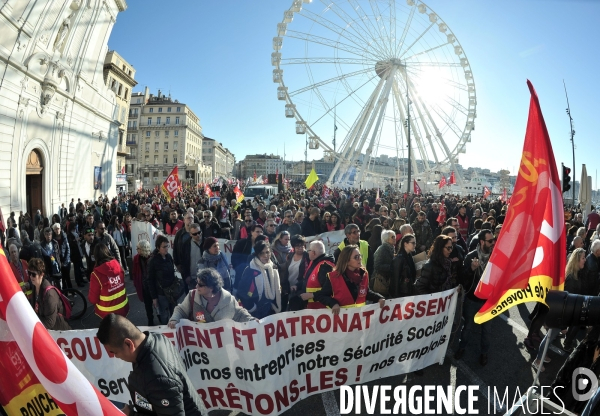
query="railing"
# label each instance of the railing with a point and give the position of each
(131, 142)
(131, 157)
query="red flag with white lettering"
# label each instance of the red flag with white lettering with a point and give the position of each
(171, 184)
(486, 192)
(441, 219)
(529, 257)
(416, 187)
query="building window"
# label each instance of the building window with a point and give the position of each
(160, 109)
(176, 120)
(175, 146)
(147, 160)
(176, 133)
(134, 137)
(168, 120)
(148, 133)
(135, 124)
(147, 146)
(156, 159)
(175, 159)
(166, 133)
(126, 95)
(156, 146)
(178, 109)
(166, 145)
(151, 109)
(166, 159)
(138, 101)
(158, 121)
(168, 109)
(149, 121)
(156, 133)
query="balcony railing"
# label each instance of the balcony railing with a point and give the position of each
(131, 142)
(131, 157)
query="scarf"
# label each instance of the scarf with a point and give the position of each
(284, 250)
(483, 258)
(269, 284)
(354, 276)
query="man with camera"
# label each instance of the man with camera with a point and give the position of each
(473, 267)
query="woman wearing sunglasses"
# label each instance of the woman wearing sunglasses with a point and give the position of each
(347, 285)
(209, 302)
(436, 274)
(46, 300)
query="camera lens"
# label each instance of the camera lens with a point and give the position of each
(570, 310)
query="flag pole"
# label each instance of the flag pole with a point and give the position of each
(572, 140)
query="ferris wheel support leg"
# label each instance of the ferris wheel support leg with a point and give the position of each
(381, 109)
(351, 151)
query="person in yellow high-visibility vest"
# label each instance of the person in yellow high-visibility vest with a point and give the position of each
(353, 237)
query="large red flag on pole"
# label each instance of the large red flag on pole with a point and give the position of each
(486, 192)
(58, 375)
(529, 257)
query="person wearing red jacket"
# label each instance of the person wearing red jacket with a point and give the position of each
(107, 284)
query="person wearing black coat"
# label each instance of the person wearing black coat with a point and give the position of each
(158, 384)
(436, 274)
(404, 272)
(592, 270)
(161, 275)
(473, 267)
(76, 254)
(241, 250)
(311, 225)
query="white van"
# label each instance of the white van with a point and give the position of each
(266, 192)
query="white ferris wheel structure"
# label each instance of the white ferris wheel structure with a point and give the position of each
(386, 79)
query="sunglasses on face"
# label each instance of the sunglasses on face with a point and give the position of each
(31, 274)
(195, 234)
(491, 240)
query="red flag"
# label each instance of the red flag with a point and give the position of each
(416, 187)
(486, 192)
(171, 185)
(277, 175)
(265, 180)
(122, 169)
(504, 195)
(441, 219)
(53, 369)
(442, 182)
(452, 180)
(254, 176)
(208, 191)
(239, 196)
(2, 225)
(529, 257)
(325, 193)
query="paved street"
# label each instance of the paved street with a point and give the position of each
(509, 364)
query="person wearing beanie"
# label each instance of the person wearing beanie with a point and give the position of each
(213, 258)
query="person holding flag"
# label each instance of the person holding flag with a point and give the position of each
(474, 264)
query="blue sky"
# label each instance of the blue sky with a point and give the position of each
(215, 56)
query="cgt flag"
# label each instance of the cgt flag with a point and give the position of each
(452, 179)
(171, 185)
(416, 187)
(66, 385)
(529, 257)
(239, 196)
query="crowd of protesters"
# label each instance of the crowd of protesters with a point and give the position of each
(273, 269)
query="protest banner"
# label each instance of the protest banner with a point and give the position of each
(264, 368)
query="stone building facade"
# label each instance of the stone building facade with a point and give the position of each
(58, 132)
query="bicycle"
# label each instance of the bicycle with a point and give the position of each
(77, 300)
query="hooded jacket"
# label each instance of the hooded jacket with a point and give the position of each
(107, 289)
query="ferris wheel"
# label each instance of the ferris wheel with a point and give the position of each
(385, 79)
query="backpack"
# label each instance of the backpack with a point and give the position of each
(65, 301)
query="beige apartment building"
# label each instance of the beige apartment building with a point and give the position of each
(119, 78)
(219, 158)
(163, 133)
